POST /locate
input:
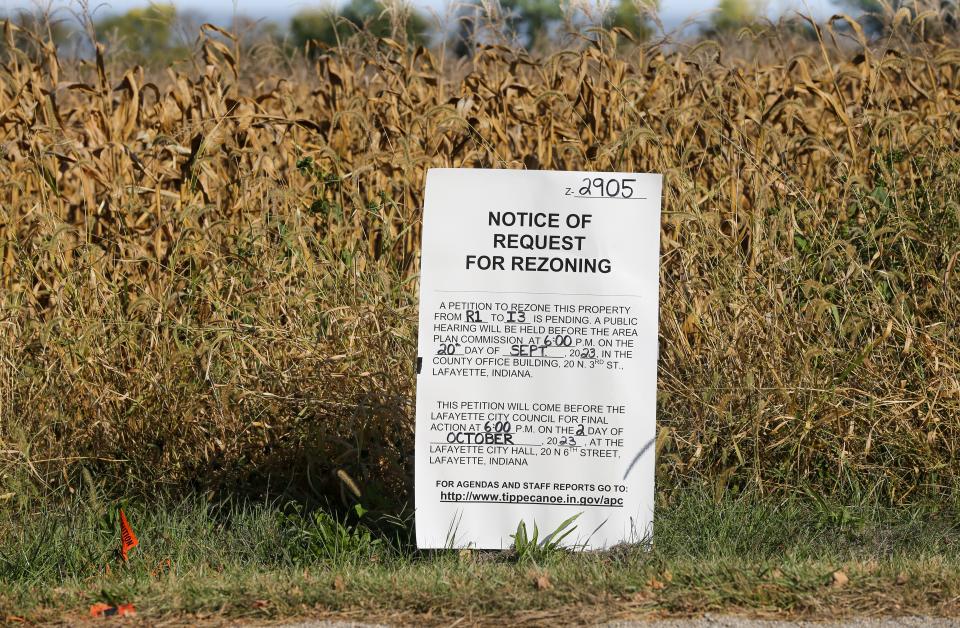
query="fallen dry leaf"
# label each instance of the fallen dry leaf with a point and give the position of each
(839, 579)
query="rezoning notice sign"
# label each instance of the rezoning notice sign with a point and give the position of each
(536, 386)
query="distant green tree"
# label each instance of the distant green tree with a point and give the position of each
(734, 14)
(145, 32)
(632, 16)
(331, 25)
(534, 21)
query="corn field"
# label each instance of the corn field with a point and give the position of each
(208, 273)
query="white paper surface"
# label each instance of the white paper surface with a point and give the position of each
(536, 396)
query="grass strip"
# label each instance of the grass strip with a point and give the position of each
(799, 556)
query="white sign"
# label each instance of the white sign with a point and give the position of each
(536, 393)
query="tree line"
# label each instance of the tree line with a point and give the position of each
(159, 32)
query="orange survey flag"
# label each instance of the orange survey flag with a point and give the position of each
(105, 610)
(128, 540)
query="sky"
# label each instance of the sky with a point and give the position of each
(672, 12)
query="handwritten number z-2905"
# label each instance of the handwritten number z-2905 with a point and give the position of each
(598, 187)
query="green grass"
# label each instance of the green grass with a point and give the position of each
(742, 553)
